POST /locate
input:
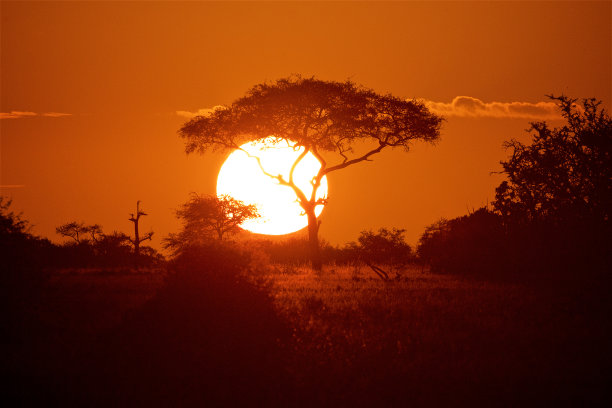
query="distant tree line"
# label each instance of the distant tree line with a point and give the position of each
(551, 216)
(87, 246)
(209, 221)
(386, 247)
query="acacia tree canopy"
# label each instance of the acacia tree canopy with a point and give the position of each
(322, 116)
(325, 118)
(76, 231)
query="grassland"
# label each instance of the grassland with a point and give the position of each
(429, 339)
(420, 339)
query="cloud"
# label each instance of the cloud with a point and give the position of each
(467, 106)
(461, 106)
(200, 112)
(20, 114)
(16, 114)
(56, 114)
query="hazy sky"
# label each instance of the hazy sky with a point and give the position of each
(90, 93)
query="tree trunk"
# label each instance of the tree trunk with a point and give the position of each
(136, 239)
(313, 241)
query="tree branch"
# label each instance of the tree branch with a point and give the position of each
(297, 161)
(365, 157)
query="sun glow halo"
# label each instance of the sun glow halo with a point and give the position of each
(242, 178)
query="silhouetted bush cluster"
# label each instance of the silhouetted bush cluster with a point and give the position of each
(209, 337)
(109, 252)
(23, 256)
(471, 244)
(551, 218)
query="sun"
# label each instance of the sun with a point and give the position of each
(242, 178)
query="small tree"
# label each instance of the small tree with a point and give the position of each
(75, 230)
(385, 247)
(137, 238)
(325, 118)
(95, 233)
(207, 216)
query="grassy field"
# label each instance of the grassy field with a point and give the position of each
(420, 338)
(426, 338)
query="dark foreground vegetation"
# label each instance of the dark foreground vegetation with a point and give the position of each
(551, 219)
(221, 326)
(507, 306)
(213, 331)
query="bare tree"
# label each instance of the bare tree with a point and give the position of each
(331, 120)
(137, 238)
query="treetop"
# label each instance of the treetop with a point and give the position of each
(322, 116)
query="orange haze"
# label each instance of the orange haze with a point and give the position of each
(90, 92)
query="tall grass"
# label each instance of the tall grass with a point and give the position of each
(430, 339)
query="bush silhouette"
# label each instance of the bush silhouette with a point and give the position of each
(209, 336)
(386, 246)
(473, 244)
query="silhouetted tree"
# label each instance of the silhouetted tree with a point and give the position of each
(11, 223)
(137, 238)
(557, 201)
(565, 174)
(206, 216)
(328, 119)
(75, 230)
(385, 247)
(95, 233)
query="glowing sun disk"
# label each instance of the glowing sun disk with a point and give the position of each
(242, 178)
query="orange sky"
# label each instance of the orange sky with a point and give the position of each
(122, 71)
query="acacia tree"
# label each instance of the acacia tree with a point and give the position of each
(76, 231)
(325, 118)
(204, 216)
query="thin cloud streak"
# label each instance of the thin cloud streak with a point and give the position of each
(16, 114)
(461, 106)
(200, 112)
(23, 114)
(467, 106)
(56, 114)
